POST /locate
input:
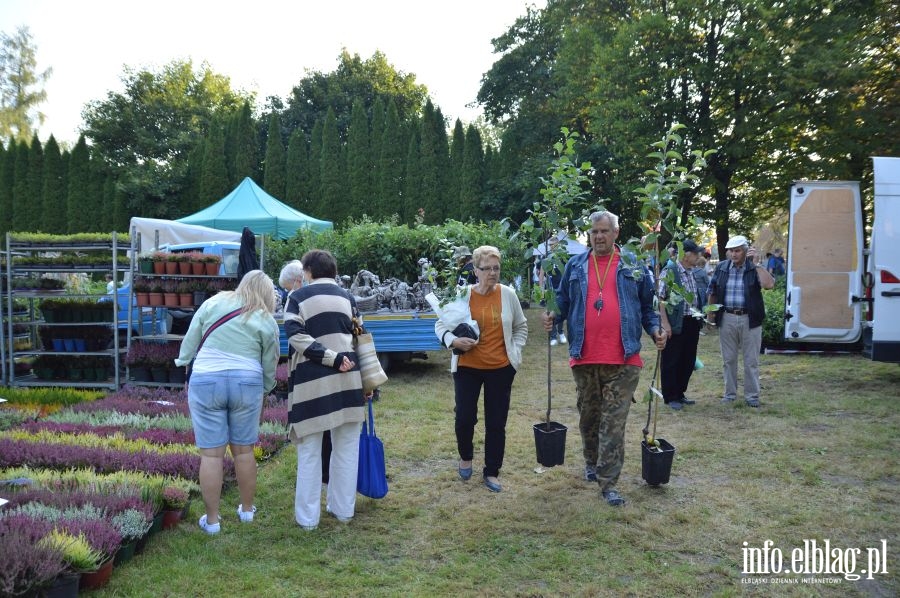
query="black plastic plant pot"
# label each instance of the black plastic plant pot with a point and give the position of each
(550, 442)
(656, 462)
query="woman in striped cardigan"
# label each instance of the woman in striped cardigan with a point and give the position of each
(325, 390)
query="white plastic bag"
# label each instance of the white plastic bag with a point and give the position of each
(455, 312)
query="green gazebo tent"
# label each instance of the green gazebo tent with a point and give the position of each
(249, 205)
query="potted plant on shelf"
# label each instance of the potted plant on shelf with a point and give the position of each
(159, 259)
(198, 268)
(170, 296)
(155, 296)
(183, 260)
(198, 290)
(185, 292)
(145, 263)
(142, 293)
(136, 360)
(212, 262)
(133, 524)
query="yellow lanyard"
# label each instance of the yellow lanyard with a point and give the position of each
(599, 302)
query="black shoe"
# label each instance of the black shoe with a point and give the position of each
(613, 498)
(687, 401)
(675, 405)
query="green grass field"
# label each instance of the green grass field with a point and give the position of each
(816, 462)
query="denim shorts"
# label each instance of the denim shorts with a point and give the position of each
(225, 407)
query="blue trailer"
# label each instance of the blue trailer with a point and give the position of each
(399, 336)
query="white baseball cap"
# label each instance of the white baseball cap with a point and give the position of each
(736, 241)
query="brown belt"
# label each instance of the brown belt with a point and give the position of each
(736, 312)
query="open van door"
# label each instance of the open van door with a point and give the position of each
(824, 291)
(884, 261)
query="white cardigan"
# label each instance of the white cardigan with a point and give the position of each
(515, 328)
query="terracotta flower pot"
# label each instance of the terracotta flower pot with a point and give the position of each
(170, 299)
(171, 267)
(155, 298)
(212, 268)
(171, 519)
(93, 580)
(159, 267)
(184, 267)
(198, 268)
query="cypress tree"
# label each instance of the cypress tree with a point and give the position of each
(472, 179)
(429, 188)
(53, 193)
(214, 177)
(315, 169)
(20, 188)
(454, 189)
(392, 164)
(376, 132)
(297, 185)
(412, 196)
(7, 170)
(79, 188)
(243, 153)
(359, 166)
(35, 185)
(273, 169)
(334, 198)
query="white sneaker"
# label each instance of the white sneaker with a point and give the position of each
(210, 529)
(562, 339)
(554, 342)
(333, 514)
(246, 516)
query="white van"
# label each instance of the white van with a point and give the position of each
(838, 291)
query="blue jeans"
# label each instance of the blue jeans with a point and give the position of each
(225, 407)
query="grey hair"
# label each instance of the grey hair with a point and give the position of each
(613, 219)
(291, 272)
(484, 252)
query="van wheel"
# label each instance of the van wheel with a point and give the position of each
(385, 360)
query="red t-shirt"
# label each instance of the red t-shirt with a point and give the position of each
(603, 330)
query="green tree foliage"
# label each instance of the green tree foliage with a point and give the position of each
(20, 187)
(782, 91)
(241, 147)
(353, 79)
(78, 219)
(392, 166)
(454, 188)
(7, 170)
(274, 176)
(471, 175)
(32, 218)
(315, 167)
(334, 205)
(298, 192)
(145, 134)
(434, 159)
(53, 190)
(412, 203)
(21, 86)
(359, 170)
(214, 176)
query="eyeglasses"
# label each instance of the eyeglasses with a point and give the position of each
(490, 269)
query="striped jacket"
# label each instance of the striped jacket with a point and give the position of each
(317, 321)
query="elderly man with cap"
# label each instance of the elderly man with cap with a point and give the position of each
(463, 257)
(737, 285)
(684, 312)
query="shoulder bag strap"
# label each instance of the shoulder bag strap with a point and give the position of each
(218, 323)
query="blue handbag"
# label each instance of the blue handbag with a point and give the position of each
(371, 479)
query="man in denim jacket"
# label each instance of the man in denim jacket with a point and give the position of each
(607, 297)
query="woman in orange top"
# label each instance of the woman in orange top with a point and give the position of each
(490, 361)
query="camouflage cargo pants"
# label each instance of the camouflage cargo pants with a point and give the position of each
(604, 397)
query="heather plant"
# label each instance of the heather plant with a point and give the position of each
(101, 534)
(174, 498)
(17, 453)
(27, 564)
(126, 483)
(11, 418)
(76, 551)
(132, 524)
(50, 396)
(115, 441)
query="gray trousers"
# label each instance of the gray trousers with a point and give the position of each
(736, 338)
